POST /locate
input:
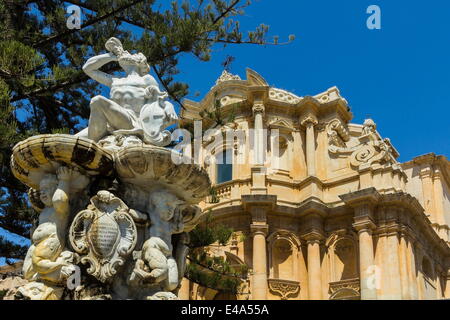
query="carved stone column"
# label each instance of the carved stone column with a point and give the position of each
(419, 253)
(314, 271)
(447, 286)
(309, 122)
(366, 259)
(403, 260)
(391, 268)
(426, 175)
(184, 292)
(258, 206)
(438, 198)
(259, 283)
(258, 112)
(411, 259)
(364, 203)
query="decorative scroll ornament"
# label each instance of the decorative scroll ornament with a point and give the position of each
(284, 288)
(337, 133)
(370, 149)
(104, 235)
(226, 76)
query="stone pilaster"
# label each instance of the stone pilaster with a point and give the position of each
(366, 260)
(426, 175)
(309, 121)
(313, 242)
(412, 276)
(403, 260)
(392, 286)
(184, 291)
(258, 206)
(259, 279)
(438, 197)
(364, 203)
(447, 285)
(258, 113)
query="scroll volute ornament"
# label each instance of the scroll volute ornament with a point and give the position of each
(370, 149)
(337, 133)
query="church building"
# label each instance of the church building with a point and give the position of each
(324, 209)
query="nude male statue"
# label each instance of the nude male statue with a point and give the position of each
(136, 106)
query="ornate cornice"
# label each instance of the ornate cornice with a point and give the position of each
(283, 96)
(360, 197)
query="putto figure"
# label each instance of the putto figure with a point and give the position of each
(48, 264)
(136, 107)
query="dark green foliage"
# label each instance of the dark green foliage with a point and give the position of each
(206, 269)
(208, 232)
(12, 250)
(3, 294)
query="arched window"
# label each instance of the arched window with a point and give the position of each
(224, 166)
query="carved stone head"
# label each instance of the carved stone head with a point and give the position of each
(369, 126)
(128, 61)
(47, 188)
(165, 204)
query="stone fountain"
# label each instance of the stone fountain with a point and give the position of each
(114, 208)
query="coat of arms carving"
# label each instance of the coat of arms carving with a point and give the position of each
(104, 235)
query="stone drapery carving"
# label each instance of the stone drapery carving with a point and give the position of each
(115, 207)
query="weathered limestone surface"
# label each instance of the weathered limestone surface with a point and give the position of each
(114, 207)
(349, 220)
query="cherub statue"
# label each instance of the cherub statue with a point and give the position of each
(369, 127)
(157, 264)
(47, 261)
(136, 106)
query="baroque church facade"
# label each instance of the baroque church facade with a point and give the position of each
(329, 213)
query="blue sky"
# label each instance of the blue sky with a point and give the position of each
(399, 75)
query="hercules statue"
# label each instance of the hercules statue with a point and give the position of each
(136, 106)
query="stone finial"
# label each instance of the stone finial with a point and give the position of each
(226, 76)
(369, 126)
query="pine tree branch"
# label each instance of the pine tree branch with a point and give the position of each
(167, 88)
(214, 270)
(226, 11)
(87, 24)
